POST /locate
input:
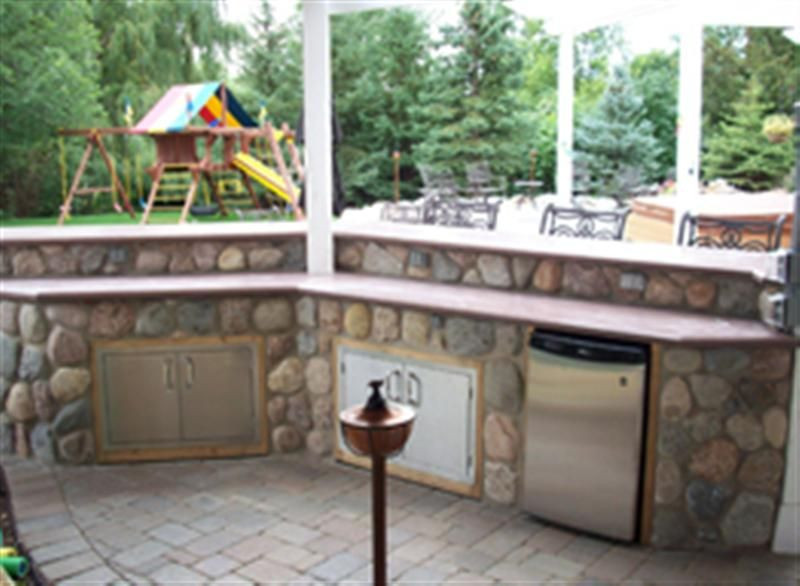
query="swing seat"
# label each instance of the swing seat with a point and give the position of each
(207, 210)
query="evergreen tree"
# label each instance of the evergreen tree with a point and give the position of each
(655, 79)
(616, 142)
(273, 69)
(739, 153)
(380, 62)
(471, 99)
(539, 93)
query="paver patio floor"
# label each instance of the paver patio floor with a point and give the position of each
(292, 520)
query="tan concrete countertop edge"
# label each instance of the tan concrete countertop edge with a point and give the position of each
(572, 315)
(150, 232)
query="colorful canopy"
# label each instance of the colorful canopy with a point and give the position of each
(176, 108)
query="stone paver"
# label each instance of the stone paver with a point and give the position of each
(217, 566)
(69, 566)
(267, 572)
(174, 534)
(338, 566)
(284, 519)
(177, 574)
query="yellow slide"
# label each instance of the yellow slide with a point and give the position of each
(266, 176)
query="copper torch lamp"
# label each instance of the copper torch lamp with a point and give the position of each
(379, 430)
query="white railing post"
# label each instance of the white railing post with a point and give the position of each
(566, 95)
(690, 104)
(318, 136)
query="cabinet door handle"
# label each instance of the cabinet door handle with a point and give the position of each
(189, 372)
(168, 374)
(414, 389)
(390, 386)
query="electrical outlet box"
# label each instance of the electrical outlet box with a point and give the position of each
(632, 281)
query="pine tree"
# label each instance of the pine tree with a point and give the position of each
(273, 68)
(471, 98)
(615, 141)
(739, 153)
(655, 78)
(380, 62)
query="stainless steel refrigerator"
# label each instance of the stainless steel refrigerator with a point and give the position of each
(584, 421)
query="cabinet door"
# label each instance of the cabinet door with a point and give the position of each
(442, 442)
(218, 399)
(358, 367)
(141, 397)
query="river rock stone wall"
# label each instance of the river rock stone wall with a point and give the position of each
(718, 294)
(722, 412)
(153, 258)
(721, 446)
(45, 373)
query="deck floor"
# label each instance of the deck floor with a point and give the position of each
(292, 520)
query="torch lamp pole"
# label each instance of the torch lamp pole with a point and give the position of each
(378, 430)
(379, 519)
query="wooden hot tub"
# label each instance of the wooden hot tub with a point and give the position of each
(651, 218)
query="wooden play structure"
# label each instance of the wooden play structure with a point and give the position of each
(176, 141)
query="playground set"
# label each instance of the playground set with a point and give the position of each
(244, 146)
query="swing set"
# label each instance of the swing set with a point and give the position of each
(248, 151)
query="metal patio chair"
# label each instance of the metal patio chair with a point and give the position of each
(747, 235)
(583, 223)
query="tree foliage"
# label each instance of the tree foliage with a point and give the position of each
(48, 79)
(380, 62)
(472, 100)
(273, 68)
(616, 142)
(740, 153)
(732, 56)
(655, 80)
(481, 89)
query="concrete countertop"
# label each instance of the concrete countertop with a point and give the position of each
(589, 317)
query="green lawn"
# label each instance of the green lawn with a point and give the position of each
(157, 217)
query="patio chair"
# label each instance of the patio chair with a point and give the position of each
(405, 212)
(583, 223)
(444, 204)
(747, 235)
(481, 182)
(461, 213)
(438, 182)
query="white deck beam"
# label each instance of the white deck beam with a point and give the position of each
(566, 96)
(318, 136)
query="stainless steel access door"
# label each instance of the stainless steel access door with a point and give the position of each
(583, 442)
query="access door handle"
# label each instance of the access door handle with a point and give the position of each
(414, 389)
(189, 372)
(168, 386)
(394, 392)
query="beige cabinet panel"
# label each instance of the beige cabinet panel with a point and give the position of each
(218, 398)
(166, 399)
(141, 404)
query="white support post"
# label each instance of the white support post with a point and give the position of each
(318, 136)
(690, 104)
(566, 95)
